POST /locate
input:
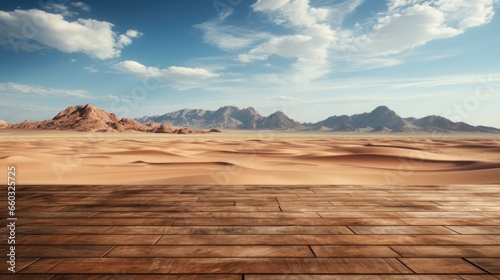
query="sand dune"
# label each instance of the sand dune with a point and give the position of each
(282, 160)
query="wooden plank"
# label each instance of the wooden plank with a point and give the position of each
(492, 265)
(119, 276)
(359, 214)
(94, 222)
(450, 222)
(306, 208)
(21, 262)
(61, 229)
(219, 265)
(442, 215)
(441, 265)
(400, 230)
(65, 251)
(476, 229)
(330, 240)
(351, 277)
(270, 215)
(243, 230)
(128, 239)
(22, 214)
(164, 215)
(286, 222)
(42, 266)
(448, 251)
(211, 251)
(28, 277)
(480, 277)
(150, 208)
(350, 251)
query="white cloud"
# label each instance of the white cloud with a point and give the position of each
(20, 91)
(407, 24)
(467, 13)
(308, 44)
(91, 69)
(14, 88)
(339, 11)
(133, 33)
(172, 73)
(59, 9)
(82, 6)
(291, 12)
(34, 29)
(270, 5)
(65, 10)
(283, 98)
(412, 23)
(489, 81)
(28, 107)
(311, 35)
(229, 38)
(413, 27)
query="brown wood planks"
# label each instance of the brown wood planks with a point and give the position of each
(257, 232)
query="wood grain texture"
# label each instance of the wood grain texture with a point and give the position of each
(257, 232)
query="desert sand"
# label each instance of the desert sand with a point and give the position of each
(250, 158)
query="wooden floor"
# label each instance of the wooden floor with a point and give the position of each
(255, 232)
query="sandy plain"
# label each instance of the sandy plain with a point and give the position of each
(250, 158)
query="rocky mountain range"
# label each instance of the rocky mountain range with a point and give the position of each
(228, 117)
(92, 119)
(382, 119)
(89, 118)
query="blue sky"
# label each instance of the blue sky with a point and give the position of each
(308, 58)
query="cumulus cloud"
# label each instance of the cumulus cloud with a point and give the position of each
(413, 27)
(317, 39)
(411, 23)
(467, 13)
(309, 41)
(30, 30)
(172, 73)
(133, 33)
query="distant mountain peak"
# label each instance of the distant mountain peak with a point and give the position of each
(3, 124)
(382, 108)
(279, 114)
(279, 121)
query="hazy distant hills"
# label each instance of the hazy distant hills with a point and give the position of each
(382, 119)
